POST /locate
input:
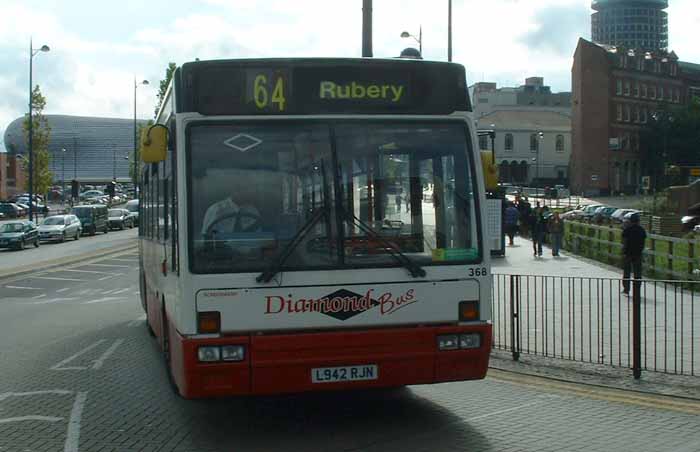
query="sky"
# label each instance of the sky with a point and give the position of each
(98, 48)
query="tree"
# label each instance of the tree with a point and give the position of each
(41, 133)
(169, 71)
(672, 138)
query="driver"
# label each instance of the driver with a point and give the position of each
(226, 216)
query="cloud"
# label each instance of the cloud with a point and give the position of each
(558, 28)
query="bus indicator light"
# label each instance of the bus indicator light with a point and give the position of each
(469, 310)
(209, 322)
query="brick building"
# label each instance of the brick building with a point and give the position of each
(615, 92)
(11, 176)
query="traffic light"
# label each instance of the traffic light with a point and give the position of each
(75, 188)
(111, 188)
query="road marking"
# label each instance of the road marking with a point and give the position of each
(136, 322)
(104, 300)
(54, 300)
(106, 278)
(121, 291)
(73, 436)
(53, 278)
(654, 401)
(101, 360)
(86, 271)
(7, 395)
(30, 418)
(71, 358)
(38, 296)
(63, 290)
(109, 265)
(23, 288)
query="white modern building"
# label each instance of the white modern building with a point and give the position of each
(529, 145)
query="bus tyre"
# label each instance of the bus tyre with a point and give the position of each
(166, 355)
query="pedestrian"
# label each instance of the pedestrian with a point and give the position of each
(511, 218)
(556, 230)
(633, 238)
(408, 202)
(397, 199)
(525, 214)
(537, 228)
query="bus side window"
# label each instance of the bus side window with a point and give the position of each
(173, 201)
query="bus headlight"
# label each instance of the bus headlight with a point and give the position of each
(209, 354)
(448, 342)
(233, 353)
(472, 340)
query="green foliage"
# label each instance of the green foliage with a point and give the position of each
(169, 71)
(672, 137)
(41, 133)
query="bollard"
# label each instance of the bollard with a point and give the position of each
(637, 329)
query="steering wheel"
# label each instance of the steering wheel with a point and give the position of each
(238, 226)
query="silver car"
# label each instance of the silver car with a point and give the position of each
(59, 228)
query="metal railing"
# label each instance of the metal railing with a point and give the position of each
(591, 320)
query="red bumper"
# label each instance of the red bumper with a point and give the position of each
(283, 363)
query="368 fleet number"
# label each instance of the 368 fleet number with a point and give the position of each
(476, 272)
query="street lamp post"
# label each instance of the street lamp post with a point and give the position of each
(63, 175)
(419, 39)
(32, 53)
(136, 150)
(114, 161)
(449, 30)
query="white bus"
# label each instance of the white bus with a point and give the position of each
(287, 243)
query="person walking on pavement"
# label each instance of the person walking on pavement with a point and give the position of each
(556, 230)
(397, 199)
(633, 238)
(525, 213)
(511, 222)
(537, 227)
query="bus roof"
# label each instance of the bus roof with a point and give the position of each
(307, 86)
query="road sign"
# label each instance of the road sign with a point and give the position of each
(646, 182)
(695, 172)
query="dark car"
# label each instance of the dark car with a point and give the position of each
(93, 218)
(10, 210)
(18, 234)
(120, 219)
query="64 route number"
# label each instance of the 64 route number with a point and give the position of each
(476, 272)
(269, 93)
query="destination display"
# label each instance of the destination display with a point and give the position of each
(321, 86)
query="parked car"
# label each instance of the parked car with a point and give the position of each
(590, 210)
(619, 214)
(572, 215)
(60, 227)
(18, 234)
(603, 214)
(133, 208)
(120, 219)
(10, 210)
(93, 218)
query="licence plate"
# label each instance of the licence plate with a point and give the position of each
(346, 373)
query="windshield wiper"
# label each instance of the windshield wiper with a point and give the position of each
(414, 269)
(276, 266)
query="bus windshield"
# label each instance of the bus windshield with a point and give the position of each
(348, 194)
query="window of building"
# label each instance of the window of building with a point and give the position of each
(627, 88)
(677, 96)
(645, 113)
(644, 91)
(619, 112)
(509, 142)
(636, 89)
(560, 143)
(661, 93)
(636, 114)
(652, 91)
(534, 143)
(626, 116)
(618, 87)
